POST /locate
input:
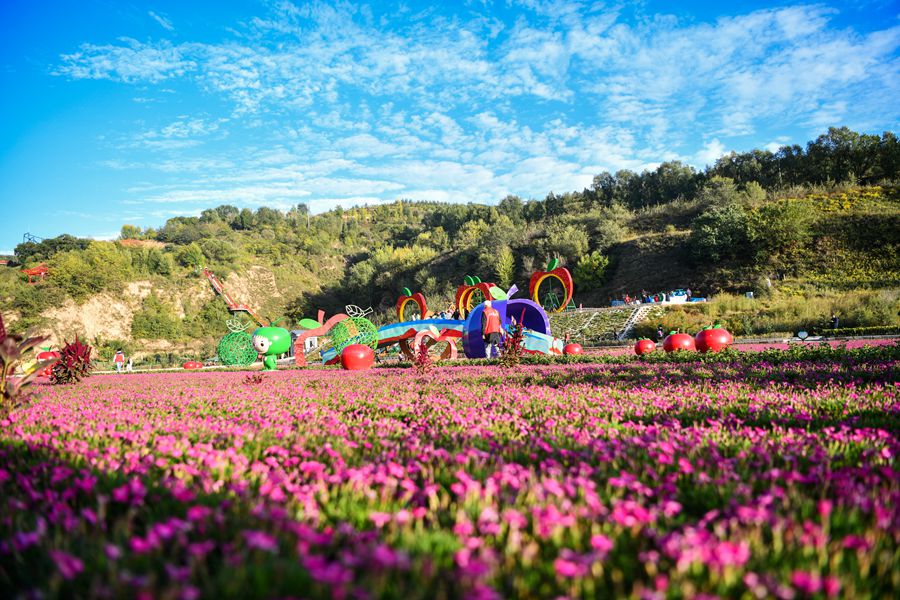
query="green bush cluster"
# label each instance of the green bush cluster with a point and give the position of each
(156, 321)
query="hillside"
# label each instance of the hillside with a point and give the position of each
(729, 229)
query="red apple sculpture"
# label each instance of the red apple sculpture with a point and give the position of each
(557, 272)
(713, 339)
(46, 355)
(573, 348)
(193, 364)
(679, 341)
(465, 294)
(357, 357)
(418, 298)
(644, 346)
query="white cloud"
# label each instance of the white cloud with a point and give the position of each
(130, 62)
(343, 106)
(711, 151)
(163, 21)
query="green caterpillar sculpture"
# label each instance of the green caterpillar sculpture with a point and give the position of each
(270, 342)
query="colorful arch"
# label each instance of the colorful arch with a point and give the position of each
(418, 298)
(465, 295)
(561, 274)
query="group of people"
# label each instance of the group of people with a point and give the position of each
(646, 298)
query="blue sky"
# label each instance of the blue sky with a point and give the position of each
(135, 112)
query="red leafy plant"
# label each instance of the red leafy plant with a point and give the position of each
(254, 379)
(74, 363)
(13, 349)
(512, 349)
(423, 363)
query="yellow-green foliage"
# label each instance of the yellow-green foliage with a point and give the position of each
(791, 308)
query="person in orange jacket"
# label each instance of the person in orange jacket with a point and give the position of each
(491, 328)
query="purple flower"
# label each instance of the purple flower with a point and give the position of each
(68, 566)
(261, 541)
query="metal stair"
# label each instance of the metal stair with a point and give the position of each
(637, 315)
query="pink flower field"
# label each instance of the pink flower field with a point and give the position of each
(754, 478)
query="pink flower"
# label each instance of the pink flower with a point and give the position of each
(671, 508)
(112, 551)
(566, 568)
(120, 494)
(140, 545)
(855, 542)
(629, 513)
(68, 565)
(261, 541)
(808, 583)
(380, 518)
(198, 513)
(727, 554)
(831, 586)
(601, 544)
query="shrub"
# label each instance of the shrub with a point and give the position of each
(423, 362)
(74, 363)
(512, 350)
(156, 321)
(12, 351)
(100, 267)
(590, 271)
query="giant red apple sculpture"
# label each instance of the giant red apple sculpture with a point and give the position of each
(357, 357)
(573, 348)
(679, 341)
(405, 298)
(554, 271)
(713, 339)
(644, 346)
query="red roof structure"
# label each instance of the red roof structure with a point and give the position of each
(36, 273)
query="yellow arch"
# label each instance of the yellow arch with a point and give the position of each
(403, 304)
(537, 288)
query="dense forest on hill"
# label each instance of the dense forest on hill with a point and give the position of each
(798, 220)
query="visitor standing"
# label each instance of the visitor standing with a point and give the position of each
(129, 367)
(119, 360)
(834, 321)
(659, 333)
(491, 329)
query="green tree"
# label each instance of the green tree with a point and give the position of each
(473, 234)
(780, 231)
(566, 241)
(719, 191)
(102, 266)
(156, 321)
(721, 233)
(590, 270)
(505, 267)
(130, 232)
(160, 263)
(190, 256)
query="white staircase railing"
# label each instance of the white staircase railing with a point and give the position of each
(636, 316)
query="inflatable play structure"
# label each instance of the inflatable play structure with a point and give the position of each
(415, 325)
